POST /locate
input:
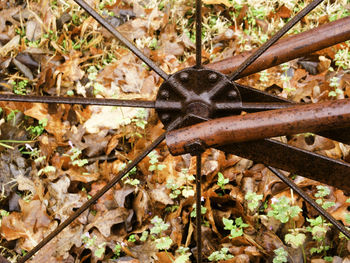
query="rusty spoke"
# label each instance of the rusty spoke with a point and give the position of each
(199, 206)
(77, 100)
(254, 126)
(122, 39)
(289, 48)
(198, 33)
(274, 39)
(295, 160)
(312, 202)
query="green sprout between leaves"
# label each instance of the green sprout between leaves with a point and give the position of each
(253, 200)
(38, 129)
(283, 211)
(183, 255)
(281, 255)
(74, 154)
(20, 87)
(222, 181)
(322, 192)
(194, 211)
(155, 166)
(220, 255)
(235, 227)
(318, 228)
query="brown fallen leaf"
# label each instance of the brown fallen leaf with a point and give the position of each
(104, 221)
(217, 2)
(31, 224)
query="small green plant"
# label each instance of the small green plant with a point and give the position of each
(194, 211)
(132, 238)
(318, 229)
(155, 166)
(47, 170)
(220, 255)
(74, 154)
(222, 181)
(185, 189)
(281, 255)
(12, 116)
(20, 87)
(100, 250)
(183, 255)
(37, 130)
(342, 58)
(283, 211)
(253, 200)
(235, 227)
(117, 251)
(126, 179)
(322, 192)
(159, 226)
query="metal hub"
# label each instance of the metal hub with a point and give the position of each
(196, 95)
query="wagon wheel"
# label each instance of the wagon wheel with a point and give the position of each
(195, 95)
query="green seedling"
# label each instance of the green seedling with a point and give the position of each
(281, 255)
(235, 227)
(283, 211)
(220, 255)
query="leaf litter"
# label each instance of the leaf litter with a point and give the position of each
(70, 152)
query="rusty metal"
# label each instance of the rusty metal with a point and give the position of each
(78, 100)
(257, 53)
(122, 39)
(198, 33)
(199, 206)
(254, 126)
(295, 160)
(312, 202)
(249, 94)
(194, 94)
(289, 48)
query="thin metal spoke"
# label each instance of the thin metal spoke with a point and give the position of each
(91, 201)
(83, 101)
(273, 40)
(122, 39)
(312, 202)
(198, 33)
(199, 207)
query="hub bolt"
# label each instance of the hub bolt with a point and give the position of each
(184, 76)
(164, 94)
(213, 77)
(165, 117)
(232, 94)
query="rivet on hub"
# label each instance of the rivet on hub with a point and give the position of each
(232, 94)
(184, 76)
(164, 94)
(165, 117)
(213, 77)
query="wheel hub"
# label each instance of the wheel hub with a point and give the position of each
(196, 95)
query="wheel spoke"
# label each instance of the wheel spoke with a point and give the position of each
(83, 101)
(312, 202)
(289, 48)
(289, 158)
(91, 201)
(274, 39)
(198, 33)
(249, 94)
(199, 207)
(122, 39)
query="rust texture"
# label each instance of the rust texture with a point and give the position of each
(289, 48)
(295, 160)
(260, 125)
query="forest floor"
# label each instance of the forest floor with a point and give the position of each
(53, 158)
